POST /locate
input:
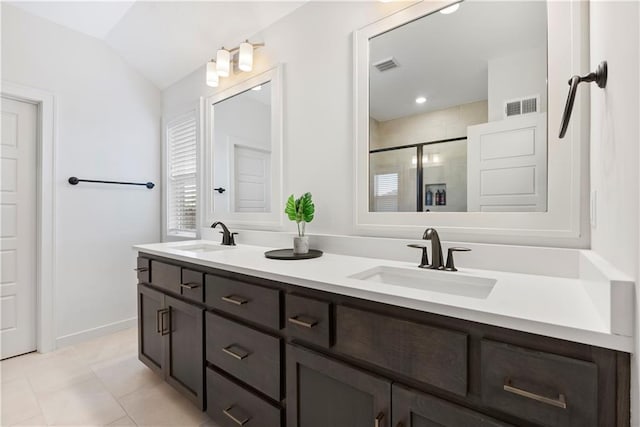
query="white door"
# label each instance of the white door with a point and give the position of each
(251, 179)
(507, 165)
(18, 228)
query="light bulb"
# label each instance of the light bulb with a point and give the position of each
(223, 62)
(421, 100)
(212, 74)
(245, 57)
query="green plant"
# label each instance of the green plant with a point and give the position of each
(300, 210)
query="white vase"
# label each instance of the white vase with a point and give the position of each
(301, 245)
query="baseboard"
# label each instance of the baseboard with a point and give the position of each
(87, 334)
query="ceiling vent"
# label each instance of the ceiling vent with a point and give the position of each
(517, 107)
(386, 64)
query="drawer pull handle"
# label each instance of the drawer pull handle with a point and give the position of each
(297, 321)
(560, 402)
(234, 354)
(189, 285)
(241, 420)
(378, 419)
(141, 269)
(233, 299)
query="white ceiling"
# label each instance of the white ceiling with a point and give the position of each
(444, 57)
(165, 40)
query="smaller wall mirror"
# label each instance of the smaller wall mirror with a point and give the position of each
(244, 149)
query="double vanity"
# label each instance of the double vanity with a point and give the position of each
(348, 341)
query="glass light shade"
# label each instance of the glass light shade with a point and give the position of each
(223, 62)
(245, 57)
(212, 74)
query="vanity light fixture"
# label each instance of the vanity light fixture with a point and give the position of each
(223, 62)
(421, 100)
(225, 58)
(212, 74)
(450, 9)
(245, 56)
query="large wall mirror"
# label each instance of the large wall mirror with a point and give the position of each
(243, 170)
(454, 106)
(466, 92)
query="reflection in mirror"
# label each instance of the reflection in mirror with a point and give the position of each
(457, 114)
(242, 159)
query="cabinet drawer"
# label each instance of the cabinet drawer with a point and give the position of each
(249, 355)
(539, 387)
(166, 276)
(143, 269)
(255, 303)
(424, 353)
(309, 320)
(192, 285)
(229, 405)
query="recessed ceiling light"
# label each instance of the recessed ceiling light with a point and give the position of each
(450, 9)
(421, 100)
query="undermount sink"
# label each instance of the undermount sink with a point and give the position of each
(202, 247)
(430, 280)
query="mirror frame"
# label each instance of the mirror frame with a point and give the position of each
(566, 222)
(249, 220)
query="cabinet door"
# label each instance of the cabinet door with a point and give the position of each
(184, 349)
(322, 392)
(151, 314)
(415, 409)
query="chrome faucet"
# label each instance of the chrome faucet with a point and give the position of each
(437, 263)
(227, 236)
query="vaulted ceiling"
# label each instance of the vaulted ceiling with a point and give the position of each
(165, 41)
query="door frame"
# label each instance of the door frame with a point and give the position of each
(45, 215)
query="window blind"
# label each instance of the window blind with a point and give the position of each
(386, 192)
(181, 173)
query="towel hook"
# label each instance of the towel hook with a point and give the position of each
(599, 76)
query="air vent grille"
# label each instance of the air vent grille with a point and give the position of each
(386, 64)
(529, 105)
(517, 107)
(513, 108)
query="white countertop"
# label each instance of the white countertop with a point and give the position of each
(558, 307)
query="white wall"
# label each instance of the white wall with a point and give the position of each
(108, 127)
(517, 76)
(615, 135)
(315, 45)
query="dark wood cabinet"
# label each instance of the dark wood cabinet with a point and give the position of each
(171, 341)
(323, 392)
(262, 348)
(412, 408)
(184, 349)
(150, 340)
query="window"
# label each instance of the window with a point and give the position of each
(386, 192)
(182, 176)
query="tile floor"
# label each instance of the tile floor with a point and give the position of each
(97, 382)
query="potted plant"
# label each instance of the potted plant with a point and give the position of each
(301, 211)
